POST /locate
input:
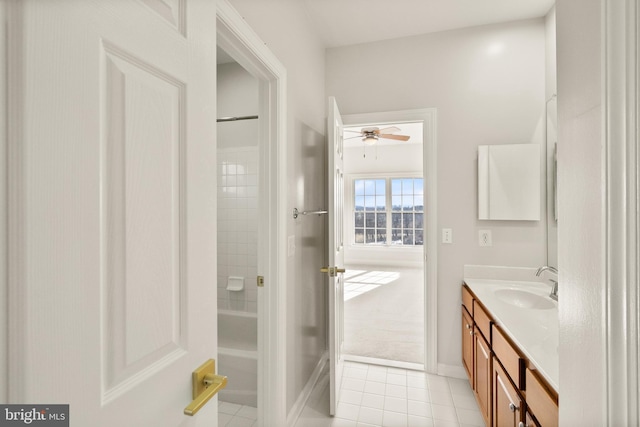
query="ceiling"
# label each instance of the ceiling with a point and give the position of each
(348, 22)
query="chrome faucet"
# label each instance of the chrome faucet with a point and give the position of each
(554, 289)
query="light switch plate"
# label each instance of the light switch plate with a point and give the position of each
(447, 235)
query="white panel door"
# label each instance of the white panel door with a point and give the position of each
(114, 242)
(336, 251)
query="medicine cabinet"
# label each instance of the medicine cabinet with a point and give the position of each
(509, 182)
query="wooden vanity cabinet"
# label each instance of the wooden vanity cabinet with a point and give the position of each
(542, 402)
(509, 357)
(476, 351)
(507, 403)
(507, 389)
(467, 344)
(482, 375)
(529, 421)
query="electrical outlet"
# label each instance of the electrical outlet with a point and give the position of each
(484, 237)
(447, 235)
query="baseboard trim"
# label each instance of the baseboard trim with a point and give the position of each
(452, 371)
(384, 362)
(298, 407)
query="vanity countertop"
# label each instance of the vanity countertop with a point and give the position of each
(528, 316)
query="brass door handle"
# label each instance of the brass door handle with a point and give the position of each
(205, 385)
(333, 271)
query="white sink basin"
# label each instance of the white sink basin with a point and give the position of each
(524, 299)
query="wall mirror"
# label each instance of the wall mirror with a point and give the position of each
(552, 186)
(509, 182)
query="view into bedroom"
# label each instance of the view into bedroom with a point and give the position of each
(384, 235)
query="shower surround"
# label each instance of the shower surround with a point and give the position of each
(237, 227)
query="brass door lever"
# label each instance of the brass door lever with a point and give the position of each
(332, 271)
(205, 384)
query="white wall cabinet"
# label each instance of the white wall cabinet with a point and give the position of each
(509, 182)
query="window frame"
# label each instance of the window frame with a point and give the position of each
(350, 209)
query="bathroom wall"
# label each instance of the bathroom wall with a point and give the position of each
(582, 244)
(286, 28)
(237, 172)
(488, 85)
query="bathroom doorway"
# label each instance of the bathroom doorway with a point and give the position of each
(238, 174)
(250, 173)
(390, 307)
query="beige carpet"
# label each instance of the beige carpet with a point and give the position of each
(384, 313)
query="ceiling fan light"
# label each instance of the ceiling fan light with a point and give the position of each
(370, 140)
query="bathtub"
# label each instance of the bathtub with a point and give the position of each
(238, 356)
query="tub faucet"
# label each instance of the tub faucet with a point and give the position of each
(554, 289)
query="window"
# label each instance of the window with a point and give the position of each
(389, 211)
(370, 211)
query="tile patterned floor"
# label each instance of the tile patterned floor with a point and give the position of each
(377, 396)
(233, 415)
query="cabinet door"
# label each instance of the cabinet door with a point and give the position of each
(482, 375)
(541, 400)
(467, 344)
(529, 421)
(507, 404)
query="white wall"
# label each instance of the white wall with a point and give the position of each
(389, 160)
(285, 28)
(237, 96)
(582, 206)
(488, 84)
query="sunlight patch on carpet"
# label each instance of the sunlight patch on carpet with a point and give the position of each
(358, 282)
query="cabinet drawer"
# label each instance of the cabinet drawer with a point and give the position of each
(508, 356)
(482, 319)
(467, 300)
(542, 402)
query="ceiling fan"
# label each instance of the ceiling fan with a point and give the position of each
(370, 135)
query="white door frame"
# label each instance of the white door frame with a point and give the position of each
(621, 116)
(4, 390)
(243, 44)
(430, 174)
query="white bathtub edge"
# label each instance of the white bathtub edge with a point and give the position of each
(237, 313)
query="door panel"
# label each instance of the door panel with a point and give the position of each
(116, 242)
(507, 404)
(336, 251)
(144, 282)
(482, 375)
(467, 345)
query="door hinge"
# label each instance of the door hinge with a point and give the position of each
(260, 281)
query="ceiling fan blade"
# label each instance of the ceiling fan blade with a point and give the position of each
(355, 131)
(351, 137)
(389, 129)
(397, 137)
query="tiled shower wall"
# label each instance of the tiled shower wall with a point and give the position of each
(237, 226)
